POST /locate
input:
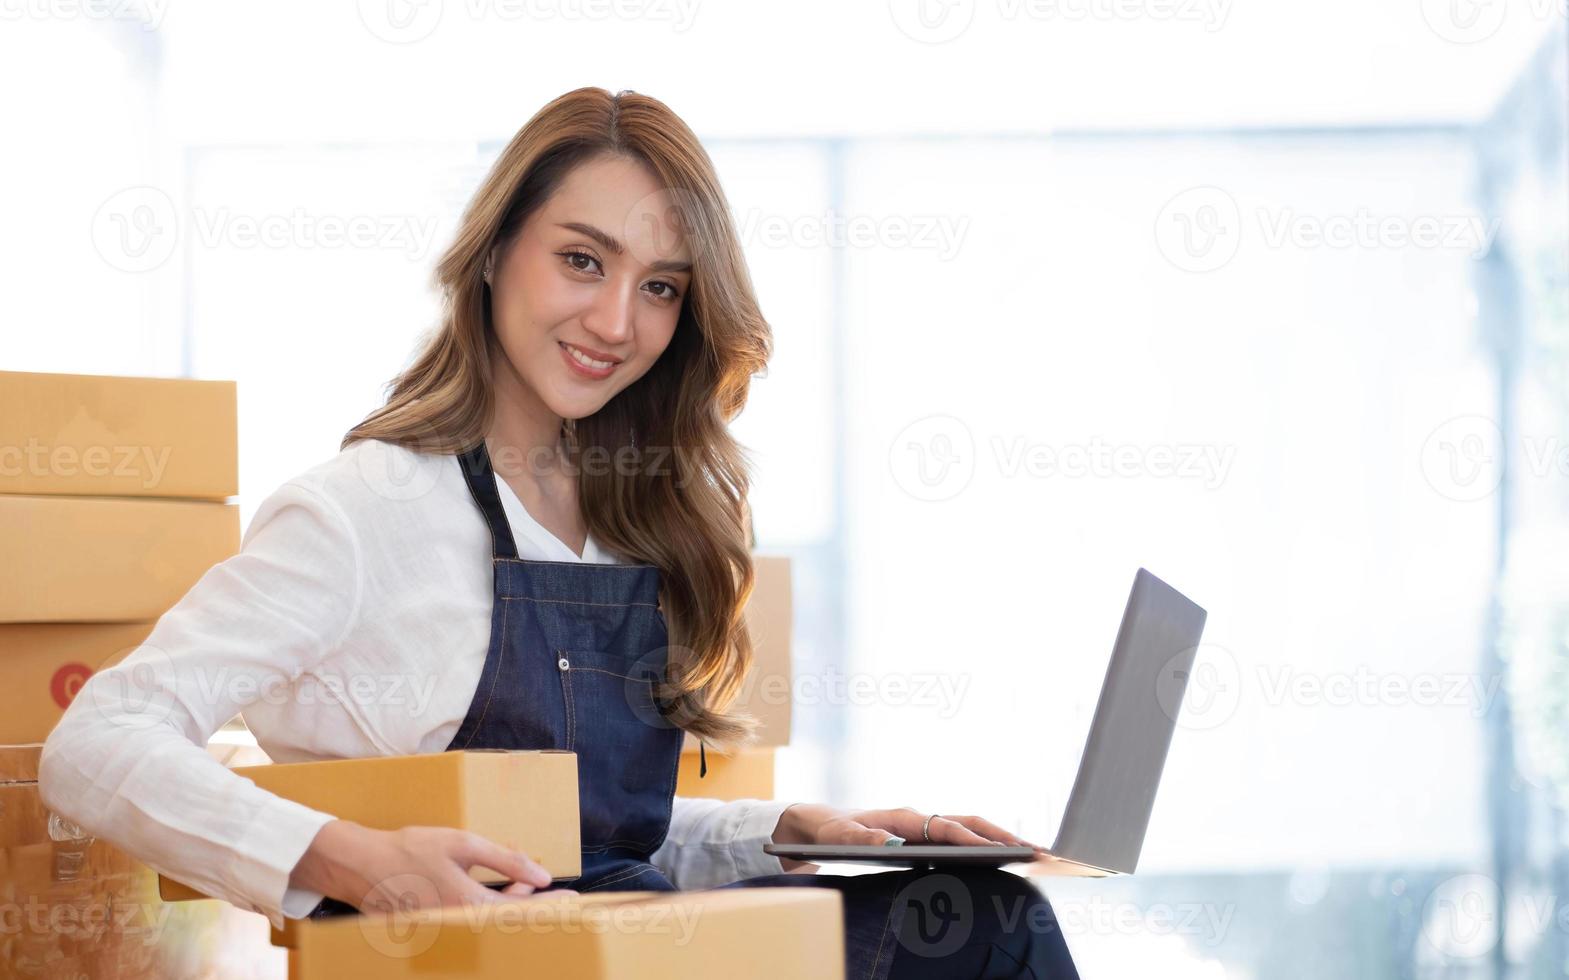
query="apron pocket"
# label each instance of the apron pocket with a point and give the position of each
(628, 753)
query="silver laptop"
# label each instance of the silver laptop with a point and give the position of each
(1109, 809)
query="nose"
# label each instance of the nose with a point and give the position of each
(609, 317)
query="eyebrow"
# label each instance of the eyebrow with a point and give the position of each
(614, 246)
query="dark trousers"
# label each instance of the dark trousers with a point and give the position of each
(971, 922)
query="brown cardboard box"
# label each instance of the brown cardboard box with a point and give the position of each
(782, 933)
(44, 664)
(81, 908)
(767, 690)
(70, 900)
(109, 436)
(106, 559)
(526, 801)
(747, 775)
(77, 909)
(19, 763)
(23, 818)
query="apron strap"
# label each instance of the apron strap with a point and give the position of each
(481, 478)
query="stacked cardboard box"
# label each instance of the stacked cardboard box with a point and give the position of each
(766, 695)
(112, 505)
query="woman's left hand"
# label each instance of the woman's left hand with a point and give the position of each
(815, 823)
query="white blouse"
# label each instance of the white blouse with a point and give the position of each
(353, 622)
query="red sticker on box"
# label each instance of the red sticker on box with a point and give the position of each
(67, 681)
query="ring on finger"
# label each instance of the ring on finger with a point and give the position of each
(926, 828)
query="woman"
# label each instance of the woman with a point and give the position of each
(568, 422)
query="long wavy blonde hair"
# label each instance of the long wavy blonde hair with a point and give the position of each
(686, 512)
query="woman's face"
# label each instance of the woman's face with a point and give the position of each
(587, 295)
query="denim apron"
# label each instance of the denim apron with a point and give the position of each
(575, 649)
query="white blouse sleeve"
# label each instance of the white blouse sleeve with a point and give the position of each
(713, 843)
(128, 762)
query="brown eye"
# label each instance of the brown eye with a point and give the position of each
(571, 258)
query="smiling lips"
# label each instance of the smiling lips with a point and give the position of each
(588, 363)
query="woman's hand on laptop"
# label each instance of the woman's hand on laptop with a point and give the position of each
(816, 823)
